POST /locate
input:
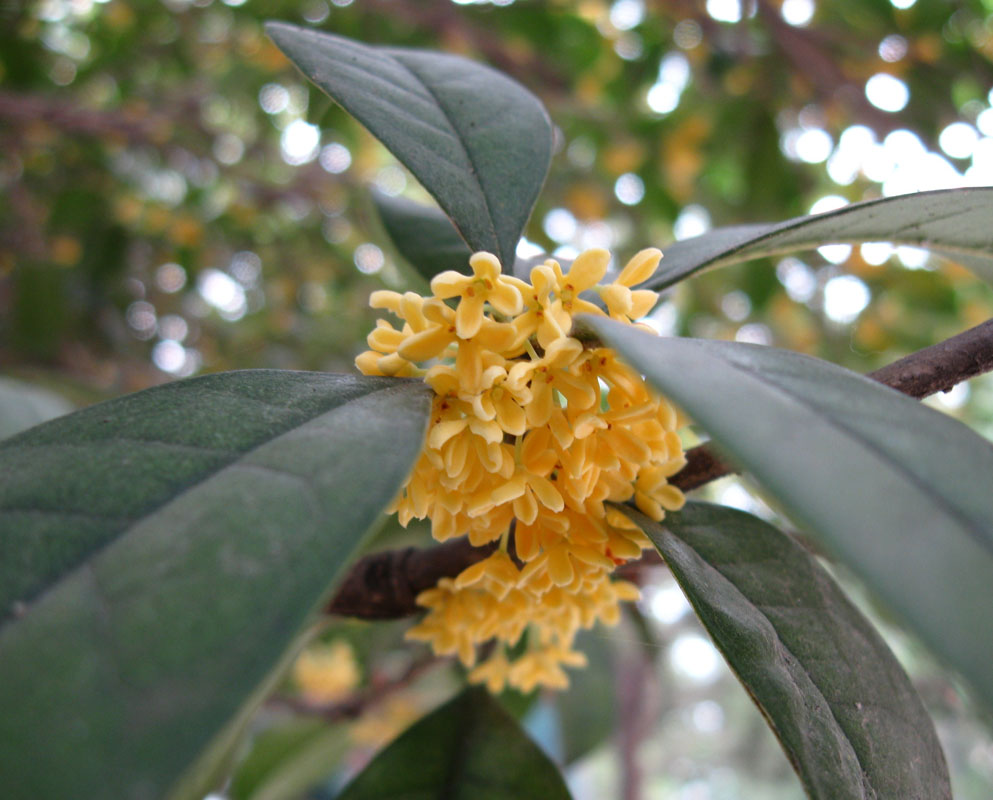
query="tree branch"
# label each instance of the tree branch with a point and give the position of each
(940, 367)
(385, 585)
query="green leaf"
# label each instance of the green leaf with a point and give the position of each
(841, 705)
(955, 223)
(468, 748)
(287, 761)
(426, 238)
(898, 490)
(479, 142)
(160, 552)
(423, 235)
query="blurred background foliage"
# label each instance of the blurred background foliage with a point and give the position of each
(176, 199)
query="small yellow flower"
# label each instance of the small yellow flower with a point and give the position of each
(485, 285)
(625, 304)
(493, 672)
(326, 673)
(544, 316)
(543, 668)
(585, 273)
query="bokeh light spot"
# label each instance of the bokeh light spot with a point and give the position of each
(886, 92)
(299, 142)
(170, 277)
(958, 140)
(369, 258)
(798, 12)
(694, 657)
(845, 296)
(335, 158)
(693, 220)
(274, 98)
(629, 189)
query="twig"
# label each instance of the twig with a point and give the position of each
(702, 467)
(940, 367)
(385, 585)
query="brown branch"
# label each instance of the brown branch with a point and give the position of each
(702, 467)
(384, 585)
(940, 367)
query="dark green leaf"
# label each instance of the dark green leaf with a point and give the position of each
(955, 223)
(423, 235)
(479, 142)
(160, 552)
(843, 708)
(468, 748)
(898, 490)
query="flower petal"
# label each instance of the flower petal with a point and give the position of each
(588, 268)
(469, 315)
(505, 298)
(641, 267)
(449, 284)
(642, 301)
(426, 344)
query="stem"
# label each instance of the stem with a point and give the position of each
(940, 367)
(385, 585)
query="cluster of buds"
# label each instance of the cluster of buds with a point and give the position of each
(536, 434)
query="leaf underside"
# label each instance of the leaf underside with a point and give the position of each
(161, 551)
(478, 142)
(954, 223)
(839, 702)
(898, 490)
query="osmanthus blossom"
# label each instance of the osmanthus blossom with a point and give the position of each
(533, 436)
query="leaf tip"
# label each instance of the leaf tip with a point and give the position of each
(279, 31)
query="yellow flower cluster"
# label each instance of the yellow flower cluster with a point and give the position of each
(532, 433)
